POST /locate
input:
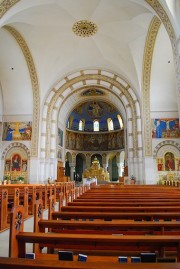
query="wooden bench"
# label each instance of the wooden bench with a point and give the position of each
(108, 216)
(72, 208)
(21, 263)
(103, 227)
(126, 203)
(97, 243)
(112, 227)
(97, 200)
(3, 208)
(87, 242)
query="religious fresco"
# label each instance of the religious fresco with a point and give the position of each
(168, 163)
(165, 128)
(60, 137)
(15, 168)
(103, 142)
(160, 164)
(16, 162)
(90, 111)
(95, 110)
(92, 92)
(17, 131)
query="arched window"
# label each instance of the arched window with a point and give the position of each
(110, 124)
(120, 121)
(96, 125)
(70, 122)
(81, 125)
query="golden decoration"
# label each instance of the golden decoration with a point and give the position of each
(84, 28)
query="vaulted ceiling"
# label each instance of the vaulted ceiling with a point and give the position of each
(42, 29)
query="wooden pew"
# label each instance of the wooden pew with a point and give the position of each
(127, 203)
(3, 208)
(136, 200)
(103, 227)
(21, 263)
(108, 216)
(112, 227)
(17, 194)
(72, 208)
(86, 242)
(98, 243)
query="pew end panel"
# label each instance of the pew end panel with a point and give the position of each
(16, 226)
(3, 209)
(38, 215)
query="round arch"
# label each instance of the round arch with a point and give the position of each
(67, 90)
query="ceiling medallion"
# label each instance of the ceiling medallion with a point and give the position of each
(84, 28)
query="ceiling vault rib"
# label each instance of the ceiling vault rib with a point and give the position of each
(146, 76)
(35, 87)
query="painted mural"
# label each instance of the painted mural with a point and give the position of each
(107, 141)
(90, 111)
(15, 168)
(165, 128)
(17, 131)
(168, 163)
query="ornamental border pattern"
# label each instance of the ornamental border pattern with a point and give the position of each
(35, 87)
(169, 143)
(147, 62)
(16, 144)
(6, 5)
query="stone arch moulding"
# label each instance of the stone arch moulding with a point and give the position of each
(165, 146)
(15, 145)
(83, 78)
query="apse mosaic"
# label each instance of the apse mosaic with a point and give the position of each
(165, 128)
(90, 111)
(17, 131)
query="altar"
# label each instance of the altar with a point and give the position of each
(96, 171)
(88, 181)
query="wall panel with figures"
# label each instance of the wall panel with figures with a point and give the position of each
(16, 166)
(165, 128)
(167, 161)
(17, 131)
(101, 141)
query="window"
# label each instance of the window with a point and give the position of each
(81, 125)
(110, 124)
(120, 121)
(96, 126)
